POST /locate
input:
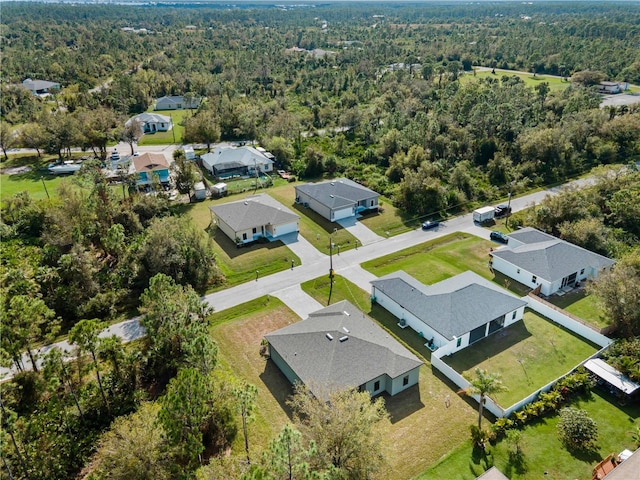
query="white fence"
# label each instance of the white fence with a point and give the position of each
(552, 314)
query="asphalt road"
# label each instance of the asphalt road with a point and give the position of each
(285, 284)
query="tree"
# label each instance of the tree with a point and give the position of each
(484, 384)
(29, 321)
(587, 78)
(282, 149)
(347, 426)
(176, 247)
(246, 395)
(186, 173)
(618, 292)
(203, 127)
(84, 334)
(8, 138)
(185, 413)
(55, 371)
(177, 329)
(577, 431)
(32, 135)
(131, 133)
(135, 448)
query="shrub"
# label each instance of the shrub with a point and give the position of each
(577, 430)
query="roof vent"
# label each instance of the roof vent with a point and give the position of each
(346, 313)
(344, 339)
(332, 183)
(330, 337)
(346, 330)
(331, 196)
(246, 203)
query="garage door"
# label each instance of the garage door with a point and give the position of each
(344, 213)
(287, 228)
(477, 334)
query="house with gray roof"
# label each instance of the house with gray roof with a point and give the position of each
(228, 162)
(451, 314)
(152, 122)
(258, 216)
(537, 259)
(337, 199)
(40, 87)
(177, 102)
(340, 347)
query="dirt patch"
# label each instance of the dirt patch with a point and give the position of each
(15, 170)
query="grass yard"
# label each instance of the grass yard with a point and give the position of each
(444, 257)
(238, 332)
(313, 227)
(528, 355)
(544, 456)
(391, 221)
(556, 84)
(423, 428)
(582, 305)
(172, 136)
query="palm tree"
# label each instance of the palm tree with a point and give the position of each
(483, 384)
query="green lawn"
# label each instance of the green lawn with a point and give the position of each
(528, 355)
(38, 182)
(423, 428)
(172, 136)
(444, 257)
(313, 227)
(238, 332)
(555, 83)
(582, 305)
(389, 221)
(544, 456)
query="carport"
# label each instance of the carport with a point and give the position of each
(611, 376)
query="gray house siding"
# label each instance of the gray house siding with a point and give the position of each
(283, 365)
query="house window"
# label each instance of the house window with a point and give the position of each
(255, 230)
(376, 386)
(534, 279)
(405, 381)
(582, 272)
(459, 342)
(513, 316)
(371, 203)
(518, 271)
(244, 236)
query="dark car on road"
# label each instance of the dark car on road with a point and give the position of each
(429, 224)
(499, 237)
(502, 210)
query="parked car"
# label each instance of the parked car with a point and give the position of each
(502, 210)
(499, 237)
(429, 224)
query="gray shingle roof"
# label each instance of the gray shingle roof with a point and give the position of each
(254, 211)
(453, 306)
(369, 351)
(548, 257)
(150, 118)
(39, 84)
(337, 193)
(235, 157)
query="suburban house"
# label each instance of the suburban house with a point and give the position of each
(258, 216)
(493, 474)
(40, 87)
(337, 199)
(145, 166)
(177, 103)
(610, 87)
(451, 314)
(229, 162)
(537, 259)
(340, 347)
(152, 122)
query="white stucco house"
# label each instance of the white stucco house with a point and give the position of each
(258, 216)
(451, 314)
(337, 199)
(177, 102)
(537, 259)
(152, 122)
(229, 162)
(340, 347)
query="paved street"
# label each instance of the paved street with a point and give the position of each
(286, 284)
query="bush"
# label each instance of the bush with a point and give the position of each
(577, 430)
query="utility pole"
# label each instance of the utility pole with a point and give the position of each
(331, 272)
(506, 223)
